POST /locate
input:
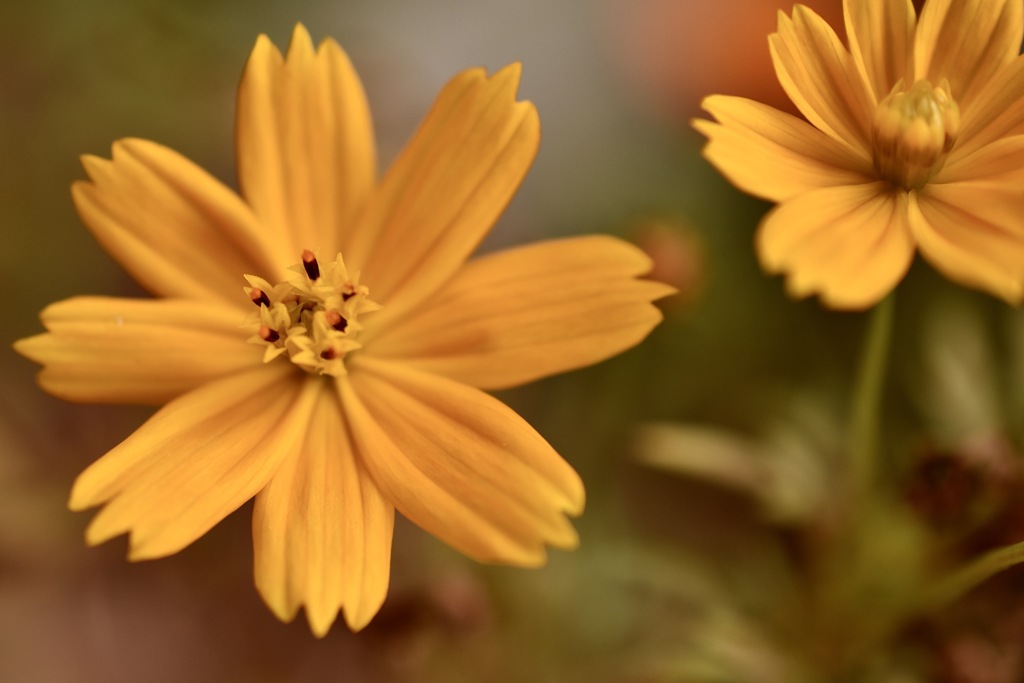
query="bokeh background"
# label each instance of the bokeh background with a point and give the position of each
(674, 576)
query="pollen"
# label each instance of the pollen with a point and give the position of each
(913, 133)
(312, 317)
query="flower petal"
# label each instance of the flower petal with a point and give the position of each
(881, 38)
(306, 155)
(176, 229)
(820, 76)
(774, 155)
(446, 190)
(974, 234)
(196, 460)
(998, 162)
(851, 245)
(525, 313)
(967, 41)
(996, 111)
(110, 350)
(461, 464)
(322, 530)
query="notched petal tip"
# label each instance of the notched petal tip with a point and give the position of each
(95, 167)
(133, 148)
(263, 51)
(839, 301)
(78, 501)
(503, 82)
(719, 106)
(280, 603)
(357, 622)
(771, 257)
(104, 527)
(705, 127)
(332, 49)
(508, 76)
(140, 551)
(708, 101)
(87, 492)
(320, 626)
(574, 501)
(30, 347)
(301, 44)
(301, 33)
(782, 22)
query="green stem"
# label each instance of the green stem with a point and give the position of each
(961, 581)
(867, 400)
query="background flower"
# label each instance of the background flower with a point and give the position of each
(907, 149)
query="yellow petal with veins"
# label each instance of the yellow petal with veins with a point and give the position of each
(967, 42)
(970, 234)
(175, 228)
(195, 461)
(322, 530)
(851, 245)
(521, 314)
(461, 464)
(881, 36)
(820, 76)
(112, 350)
(306, 155)
(774, 155)
(996, 111)
(446, 190)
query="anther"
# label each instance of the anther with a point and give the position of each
(313, 321)
(259, 297)
(310, 264)
(336, 320)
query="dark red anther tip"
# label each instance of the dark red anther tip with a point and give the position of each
(259, 297)
(336, 320)
(310, 264)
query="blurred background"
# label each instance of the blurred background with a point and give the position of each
(708, 452)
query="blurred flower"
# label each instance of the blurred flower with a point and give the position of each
(964, 481)
(787, 470)
(914, 142)
(677, 257)
(659, 41)
(340, 408)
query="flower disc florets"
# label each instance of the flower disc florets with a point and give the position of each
(913, 132)
(312, 316)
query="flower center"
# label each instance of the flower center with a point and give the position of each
(913, 131)
(313, 316)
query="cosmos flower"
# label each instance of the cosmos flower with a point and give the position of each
(912, 141)
(350, 384)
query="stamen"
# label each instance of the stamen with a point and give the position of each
(336, 320)
(259, 297)
(313, 318)
(913, 132)
(309, 263)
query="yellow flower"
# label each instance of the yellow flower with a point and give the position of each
(337, 391)
(914, 142)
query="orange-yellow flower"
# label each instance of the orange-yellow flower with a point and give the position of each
(914, 143)
(341, 389)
